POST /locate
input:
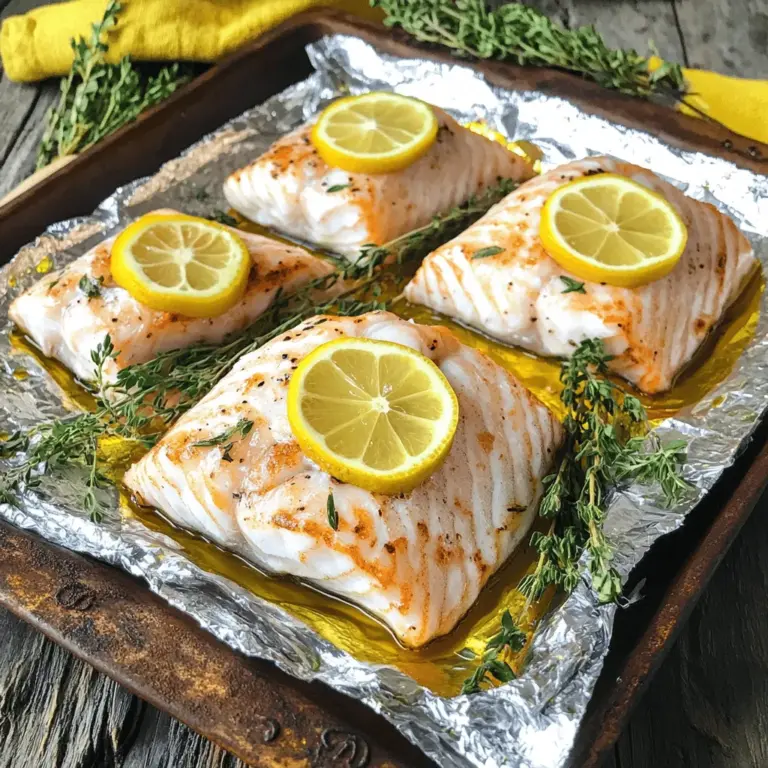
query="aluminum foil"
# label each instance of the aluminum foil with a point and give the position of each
(533, 720)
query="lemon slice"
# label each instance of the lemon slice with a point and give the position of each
(609, 229)
(372, 413)
(374, 133)
(177, 263)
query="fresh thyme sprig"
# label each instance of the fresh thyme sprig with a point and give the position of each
(508, 638)
(97, 97)
(226, 439)
(50, 448)
(147, 398)
(241, 429)
(420, 241)
(162, 389)
(519, 33)
(599, 454)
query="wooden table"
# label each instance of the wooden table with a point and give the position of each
(708, 705)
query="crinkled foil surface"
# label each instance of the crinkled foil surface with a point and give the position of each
(533, 720)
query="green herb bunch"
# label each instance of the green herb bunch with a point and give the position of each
(97, 97)
(521, 34)
(601, 451)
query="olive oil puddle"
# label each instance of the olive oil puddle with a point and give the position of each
(75, 397)
(442, 665)
(436, 666)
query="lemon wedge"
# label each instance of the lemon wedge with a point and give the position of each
(372, 413)
(177, 263)
(377, 132)
(609, 229)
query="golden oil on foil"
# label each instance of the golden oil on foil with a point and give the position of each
(442, 665)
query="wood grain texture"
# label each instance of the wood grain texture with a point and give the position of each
(707, 707)
(22, 111)
(55, 710)
(729, 36)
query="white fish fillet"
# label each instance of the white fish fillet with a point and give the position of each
(517, 296)
(67, 325)
(287, 188)
(417, 560)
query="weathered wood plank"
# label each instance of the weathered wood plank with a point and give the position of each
(20, 159)
(706, 708)
(624, 24)
(729, 36)
(22, 107)
(55, 710)
(165, 743)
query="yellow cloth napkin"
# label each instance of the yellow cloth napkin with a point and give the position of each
(737, 103)
(36, 45)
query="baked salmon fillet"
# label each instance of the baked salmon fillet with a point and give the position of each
(291, 189)
(517, 296)
(416, 560)
(67, 324)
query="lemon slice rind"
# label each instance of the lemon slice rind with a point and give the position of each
(377, 132)
(358, 413)
(181, 264)
(576, 216)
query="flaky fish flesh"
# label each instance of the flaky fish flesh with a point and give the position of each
(417, 560)
(517, 296)
(67, 324)
(291, 189)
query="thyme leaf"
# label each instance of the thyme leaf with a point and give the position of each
(484, 253)
(90, 287)
(222, 217)
(571, 285)
(516, 32)
(338, 187)
(333, 515)
(96, 97)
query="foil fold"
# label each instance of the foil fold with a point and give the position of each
(532, 721)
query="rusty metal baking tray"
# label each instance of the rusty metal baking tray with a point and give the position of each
(247, 706)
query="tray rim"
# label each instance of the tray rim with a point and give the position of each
(675, 128)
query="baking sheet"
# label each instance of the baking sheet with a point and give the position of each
(531, 721)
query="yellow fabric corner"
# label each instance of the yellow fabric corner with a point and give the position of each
(36, 45)
(737, 103)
